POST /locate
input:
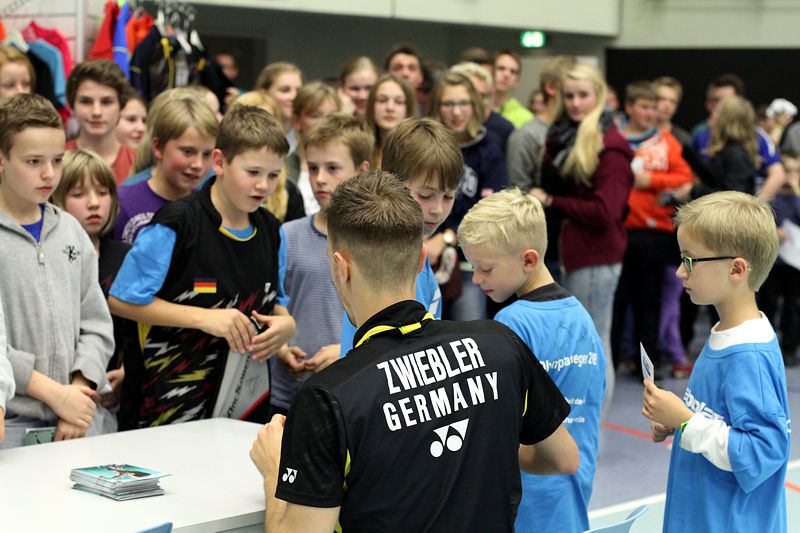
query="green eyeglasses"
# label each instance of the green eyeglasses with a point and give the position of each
(688, 262)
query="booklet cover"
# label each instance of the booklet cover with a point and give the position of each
(116, 474)
(118, 481)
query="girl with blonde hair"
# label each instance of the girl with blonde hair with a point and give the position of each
(586, 179)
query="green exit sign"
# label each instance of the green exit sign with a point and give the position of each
(532, 39)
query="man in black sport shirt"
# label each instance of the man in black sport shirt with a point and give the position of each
(425, 424)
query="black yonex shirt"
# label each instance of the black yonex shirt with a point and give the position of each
(419, 430)
(182, 368)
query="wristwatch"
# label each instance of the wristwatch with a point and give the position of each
(449, 237)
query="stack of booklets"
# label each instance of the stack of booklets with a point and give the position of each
(118, 481)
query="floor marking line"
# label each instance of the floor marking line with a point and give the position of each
(634, 432)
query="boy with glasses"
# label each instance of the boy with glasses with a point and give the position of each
(731, 446)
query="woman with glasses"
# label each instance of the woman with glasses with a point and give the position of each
(586, 179)
(390, 101)
(455, 102)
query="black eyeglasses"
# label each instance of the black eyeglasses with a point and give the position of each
(688, 262)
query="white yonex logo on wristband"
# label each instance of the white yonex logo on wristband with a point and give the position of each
(290, 475)
(453, 440)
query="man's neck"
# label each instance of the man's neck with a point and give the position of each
(372, 303)
(500, 98)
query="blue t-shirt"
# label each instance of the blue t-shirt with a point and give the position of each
(35, 229)
(428, 294)
(560, 332)
(745, 386)
(146, 266)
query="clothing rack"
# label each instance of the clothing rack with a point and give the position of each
(68, 16)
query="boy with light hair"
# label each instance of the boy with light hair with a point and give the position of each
(504, 236)
(732, 426)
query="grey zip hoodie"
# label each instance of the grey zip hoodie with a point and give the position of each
(6, 377)
(57, 321)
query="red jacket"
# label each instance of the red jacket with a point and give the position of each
(661, 155)
(592, 232)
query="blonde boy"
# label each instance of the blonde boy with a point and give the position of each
(732, 426)
(58, 329)
(205, 275)
(336, 149)
(504, 237)
(182, 131)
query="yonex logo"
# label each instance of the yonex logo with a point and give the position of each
(453, 440)
(290, 475)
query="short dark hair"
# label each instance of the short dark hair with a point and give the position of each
(250, 128)
(476, 54)
(23, 111)
(640, 90)
(423, 147)
(728, 80)
(101, 71)
(374, 218)
(402, 48)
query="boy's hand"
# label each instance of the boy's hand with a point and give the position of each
(280, 328)
(67, 431)
(660, 432)
(294, 359)
(664, 407)
(115, 378)
(74, 404)
(325, 357)
(230, 324)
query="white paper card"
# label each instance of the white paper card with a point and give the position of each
(647, 365)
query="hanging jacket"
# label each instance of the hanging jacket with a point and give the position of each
(103, 43)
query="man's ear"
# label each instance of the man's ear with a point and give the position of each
(217, 159)
(362, 167)
(422, 256)
(342, 265)
(530, 260)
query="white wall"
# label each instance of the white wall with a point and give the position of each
(709, 24)
(591, 17)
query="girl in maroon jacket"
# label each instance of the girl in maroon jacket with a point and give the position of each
(586, 179)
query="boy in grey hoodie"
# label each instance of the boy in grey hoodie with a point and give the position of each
(59, 330)
(6, 378)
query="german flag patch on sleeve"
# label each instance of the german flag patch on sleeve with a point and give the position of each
(205, 285)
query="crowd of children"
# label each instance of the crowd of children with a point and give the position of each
(172, 251)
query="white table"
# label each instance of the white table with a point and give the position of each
(213, 487)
